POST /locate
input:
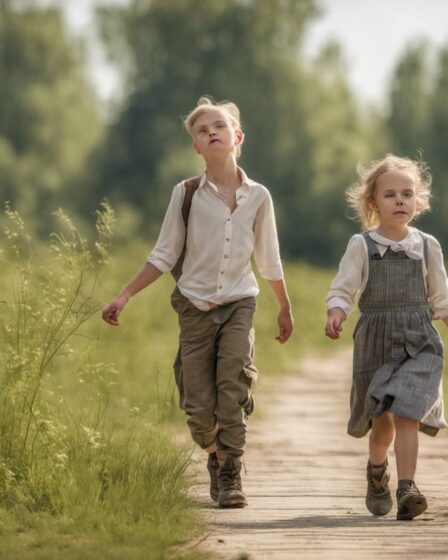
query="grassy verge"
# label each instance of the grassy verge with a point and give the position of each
(84, 473)
(126, 503)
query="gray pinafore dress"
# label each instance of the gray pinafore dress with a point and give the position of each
(398, 354)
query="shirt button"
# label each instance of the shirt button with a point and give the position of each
(220, 287)
(227, 239)
(228, 219)
(226, 256)
(222, 271)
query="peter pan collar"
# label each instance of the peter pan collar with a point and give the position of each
(412, 244)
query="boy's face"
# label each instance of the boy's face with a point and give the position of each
(395, 197)
(214, 134)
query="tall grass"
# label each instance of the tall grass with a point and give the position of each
(72, 462)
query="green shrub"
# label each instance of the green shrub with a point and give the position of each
(70, 446)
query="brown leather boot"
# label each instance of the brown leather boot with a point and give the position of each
(231, 493)
(213, 467)
(411, 501)
(378, 498)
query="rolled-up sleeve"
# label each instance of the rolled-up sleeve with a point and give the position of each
(351, 276)
(170, 242)
(266, 246)
(436, 280)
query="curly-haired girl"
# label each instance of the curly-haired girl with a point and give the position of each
(398, 355)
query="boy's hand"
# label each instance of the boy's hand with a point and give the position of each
(285, 325)
(111, 311)
(335, 319)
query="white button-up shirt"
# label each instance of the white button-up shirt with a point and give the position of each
(220, 243)
(353, 273)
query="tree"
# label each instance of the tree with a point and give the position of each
(304, 133)
(49, 120)
(408, 117)
(341, 137)
(438, 141)
(418, 123)
(179, 50)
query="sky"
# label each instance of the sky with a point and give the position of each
(373, 34)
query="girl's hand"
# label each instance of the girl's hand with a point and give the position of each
(335, 319)
(111, 311)
(285, 325)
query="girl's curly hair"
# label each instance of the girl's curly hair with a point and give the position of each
(360, 195)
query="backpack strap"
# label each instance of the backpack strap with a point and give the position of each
(190, 187)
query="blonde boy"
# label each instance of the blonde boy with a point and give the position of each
(231, 219)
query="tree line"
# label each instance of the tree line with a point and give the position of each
(305, 129)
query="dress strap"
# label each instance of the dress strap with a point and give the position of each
(374, 254)
(425, 247)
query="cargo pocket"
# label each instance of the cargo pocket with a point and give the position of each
(248, 405)
(179, 378)
(250, 374)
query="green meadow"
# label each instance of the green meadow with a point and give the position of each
(89, 467)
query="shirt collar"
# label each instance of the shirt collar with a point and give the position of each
(412, 244)
(245, 181)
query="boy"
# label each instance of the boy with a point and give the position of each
(228, 219)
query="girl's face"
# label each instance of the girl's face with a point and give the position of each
(395, 198)
(214, 134)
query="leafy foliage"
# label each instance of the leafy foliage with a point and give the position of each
(303, 131)
(49, 119)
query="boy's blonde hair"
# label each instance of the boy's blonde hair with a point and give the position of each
(360, 195)
(205, 104)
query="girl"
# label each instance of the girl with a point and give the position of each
(398, 356)
(230, 218)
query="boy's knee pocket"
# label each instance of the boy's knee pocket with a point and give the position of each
(249, 374)
(248, 405)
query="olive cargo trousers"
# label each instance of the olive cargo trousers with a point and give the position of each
(214, 371)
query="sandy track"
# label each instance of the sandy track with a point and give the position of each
(305, 481)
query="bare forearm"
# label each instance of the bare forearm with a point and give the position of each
(285, 320)
(281, 293)
(144, 278)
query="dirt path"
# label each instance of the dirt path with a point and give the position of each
(305, 482)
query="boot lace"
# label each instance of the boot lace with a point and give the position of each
(378, 484)
(230, 480)
(405, 493)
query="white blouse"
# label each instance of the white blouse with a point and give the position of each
(351, 279)
(220, 243)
